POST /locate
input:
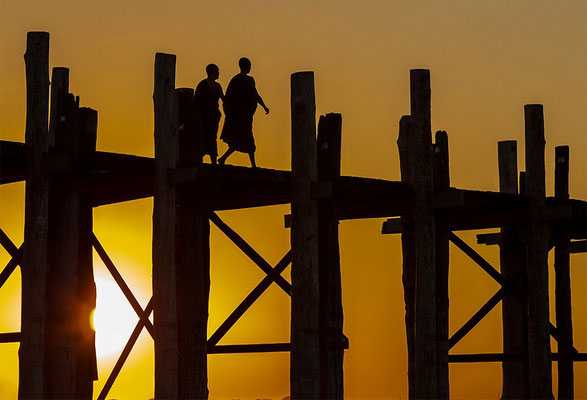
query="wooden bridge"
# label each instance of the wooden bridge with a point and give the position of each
(66, 178)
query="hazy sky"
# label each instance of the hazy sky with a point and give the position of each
(487, 59)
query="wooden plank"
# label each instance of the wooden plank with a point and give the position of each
(249, 348)
(59, 89)
(62, 330)
(578, 246)
(500, 357)
(537, 237)
(331, 313)
(441, 172)
(164, 217)
(305, 293)
(192, 251)
(424, 226)
(513, 263)
(10, 337)
(562, 296)
(34, 263)
(408, 248)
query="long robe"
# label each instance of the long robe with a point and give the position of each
(240, 103)
(206, 102)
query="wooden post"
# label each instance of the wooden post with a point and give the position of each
(331, 315)
(34, 263)
(59, 89)
(537, 243)
(86, 348)
(305, 296)
(442, 183)
(564, 322)
(513, 269)
(164, 217)
(425, 297)
(408, 248)
(62, 330)
(192, 260)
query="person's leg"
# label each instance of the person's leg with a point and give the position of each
(213, 159)
(252, 158)
(228, 152)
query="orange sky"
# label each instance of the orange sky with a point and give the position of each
(487, 59)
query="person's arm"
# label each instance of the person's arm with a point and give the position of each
(219, 89)
(259, 99)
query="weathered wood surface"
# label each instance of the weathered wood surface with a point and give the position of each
(192, 252)
(442, 184)
(59, 89)
(564, 322)
(63, 329)
(86, 362)
(408, 248)
(305, 295)
(513, 266)
(35, 258)
(537, 237)
(331, 314)
(164, 235)
(425, 243)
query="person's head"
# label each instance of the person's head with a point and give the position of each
(213, 71)
(245, 65)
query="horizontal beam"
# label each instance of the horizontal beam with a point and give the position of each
(10, 337)
(249, 348)
(500, 357)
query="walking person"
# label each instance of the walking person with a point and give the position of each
(206, 97)
(240, 104)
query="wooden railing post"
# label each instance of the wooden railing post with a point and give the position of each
(331, 315)
(408, 248)
(441, 183)
(35, 257)
(193, 259)
(564, 322)
(59, 89)
(513, 267)
(537, 243)
(305, 296)
(424, 225)
(164, 235)
(86, 349)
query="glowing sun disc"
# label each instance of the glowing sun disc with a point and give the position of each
(113, 320)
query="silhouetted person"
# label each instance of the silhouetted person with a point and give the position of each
(240, 104)
(206, 98)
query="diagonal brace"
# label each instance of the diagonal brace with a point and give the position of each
(143, 321)
(465, 248)
(14, 252)
(250, 252)
(248, 301)
(121, 283)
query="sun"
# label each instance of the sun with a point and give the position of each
(113, 319)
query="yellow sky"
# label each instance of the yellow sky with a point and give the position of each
(487, 59)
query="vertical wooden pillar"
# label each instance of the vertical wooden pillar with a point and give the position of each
(305, 296)
(192, 259)
(537, 243)
(86, 348)
(441, 183)
(408, 248)
(34, 263)
(62, 284)
(513, 268)
(564, 322)
(59, 89)
(164, 235)
(424, 226)
(331, 315)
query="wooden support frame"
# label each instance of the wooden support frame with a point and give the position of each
(15, 254)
